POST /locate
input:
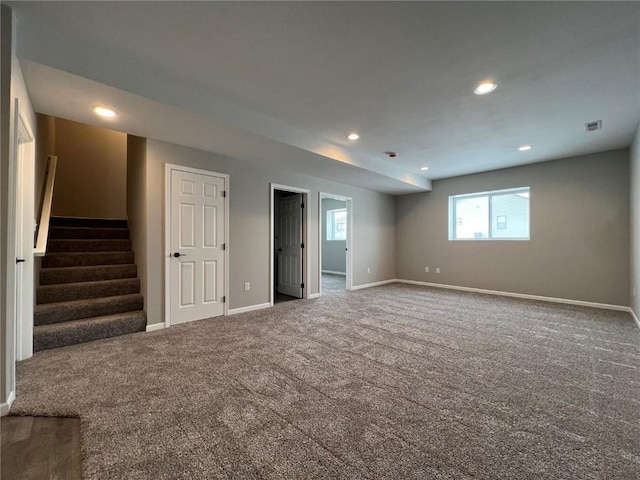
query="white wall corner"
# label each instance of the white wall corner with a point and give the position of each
(374, 284)
(635, 317)
(155, 326)
(250, 308)
(6, 406)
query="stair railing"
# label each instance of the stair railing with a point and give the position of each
(42, 228)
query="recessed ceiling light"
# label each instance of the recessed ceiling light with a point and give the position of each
(424, 168)
(104, 111)
(524, 148)
(485, 87)
(353, 136)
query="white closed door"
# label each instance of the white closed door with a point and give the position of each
(197, 246)
(290, 252)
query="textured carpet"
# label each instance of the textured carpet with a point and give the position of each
(394, 382)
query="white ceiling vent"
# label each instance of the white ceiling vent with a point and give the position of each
(591, 126)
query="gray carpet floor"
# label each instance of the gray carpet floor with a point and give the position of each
(393, 382)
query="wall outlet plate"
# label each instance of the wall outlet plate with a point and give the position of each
(247, 286)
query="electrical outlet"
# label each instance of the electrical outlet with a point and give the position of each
(368, 269)
(247, 286)
(426, 269)
(437, 269)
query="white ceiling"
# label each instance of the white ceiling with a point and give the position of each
(285, 82)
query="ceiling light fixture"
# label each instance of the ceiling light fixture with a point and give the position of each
(485, 87)
(525, 148)
(104, 111)
(353, 136)
(424, 168)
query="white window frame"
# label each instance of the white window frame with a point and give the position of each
(331, 224)
(453, 218)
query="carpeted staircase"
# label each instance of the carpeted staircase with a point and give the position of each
(88, 284)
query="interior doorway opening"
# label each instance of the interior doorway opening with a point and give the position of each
(335, 231)
(289, 272)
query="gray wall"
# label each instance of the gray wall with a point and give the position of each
(579, 247)
(635, 224)
(5, 99)
(374, 237)
(136, 207)
(12, 87)
(334, 255)
(91, 178)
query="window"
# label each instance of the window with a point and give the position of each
(337, 224)
(497, 215)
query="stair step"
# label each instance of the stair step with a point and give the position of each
(93, 273)
(84, 290)
(86, 232)
(86, 246)
(59, 312)
(87, 330)
(88, 222)
(53, 260)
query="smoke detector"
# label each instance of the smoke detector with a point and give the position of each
(592, 126)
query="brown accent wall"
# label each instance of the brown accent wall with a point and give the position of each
(91, 179)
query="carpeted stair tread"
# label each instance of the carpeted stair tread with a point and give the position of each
(87, 330)
(58, 312)
(78, 259)
(92, 273)
(88, 245)
(62, 233)
(88, 222)
(84, 290)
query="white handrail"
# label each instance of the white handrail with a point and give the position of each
(45, 213)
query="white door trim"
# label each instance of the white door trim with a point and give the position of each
(349, 242)
(168, 168)
(25, 156)
(305, 221)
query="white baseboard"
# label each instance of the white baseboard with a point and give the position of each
(635, 317)
(344, 274)
(250, 308)
(314, 295)
(605, 306)
(6, 406)
(374, 284)
(155, 326)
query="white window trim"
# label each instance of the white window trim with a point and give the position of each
(489, 193)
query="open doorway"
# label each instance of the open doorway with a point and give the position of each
(335, 243)
(288, 242)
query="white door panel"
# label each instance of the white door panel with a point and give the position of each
(197, 236)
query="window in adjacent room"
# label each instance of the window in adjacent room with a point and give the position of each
(337, 224)
(497, 215)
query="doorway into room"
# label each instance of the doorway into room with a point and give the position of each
(335, 220)
(288, 227)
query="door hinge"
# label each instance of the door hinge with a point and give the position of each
(302, 245)
(224, 246)
(224, 299)
(224, 194)
(302, 285)
(302, 205)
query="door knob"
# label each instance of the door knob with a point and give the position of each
(20, 260)
(178, 254)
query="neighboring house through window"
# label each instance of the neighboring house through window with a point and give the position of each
(496, 215)
(337, 224)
